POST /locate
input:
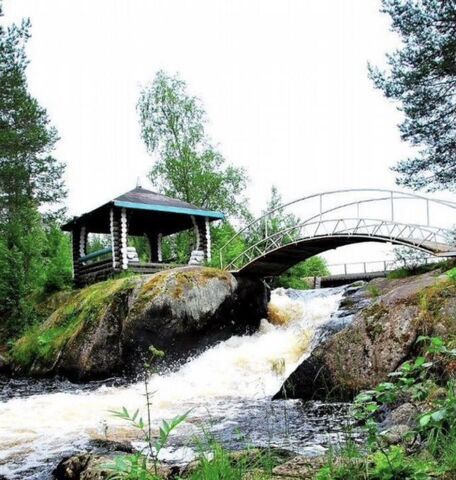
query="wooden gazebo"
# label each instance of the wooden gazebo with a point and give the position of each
(139, 212)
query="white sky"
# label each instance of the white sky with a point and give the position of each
(284, 84)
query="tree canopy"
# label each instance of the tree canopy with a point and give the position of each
(422, 78)
(34, 253)
(27, 169)
(187, 165)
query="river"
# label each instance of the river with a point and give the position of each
(227, 390)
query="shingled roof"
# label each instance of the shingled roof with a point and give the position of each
(147, 200)
(160, 208)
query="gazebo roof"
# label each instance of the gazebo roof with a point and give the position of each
(146, 210)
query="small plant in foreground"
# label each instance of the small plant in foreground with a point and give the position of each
(390, 464)
(136, 466)
(451, 274)
(217, 463)
(373, 291)
(416, 382)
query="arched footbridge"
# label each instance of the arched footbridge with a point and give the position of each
(314, 224)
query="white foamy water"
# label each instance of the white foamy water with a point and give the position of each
(220, 384)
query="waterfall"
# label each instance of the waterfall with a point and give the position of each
(229, 385)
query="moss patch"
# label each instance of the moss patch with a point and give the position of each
(82, 307)
(373, 316)
(175, 283)
(437, 304)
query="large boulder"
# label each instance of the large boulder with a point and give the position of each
(107, 328)
(380, 338)
(191, 309)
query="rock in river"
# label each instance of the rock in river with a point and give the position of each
(107, 328)
(380, 338)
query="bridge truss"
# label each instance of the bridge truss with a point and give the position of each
(316, 223)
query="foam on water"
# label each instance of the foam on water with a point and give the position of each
(219, 383)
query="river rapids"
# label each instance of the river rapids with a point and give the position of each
(227, 390)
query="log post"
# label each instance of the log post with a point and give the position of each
(123, 239)
(115, 239)
(203, 236)
(208, 245)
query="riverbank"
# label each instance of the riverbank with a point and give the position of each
(227, 391)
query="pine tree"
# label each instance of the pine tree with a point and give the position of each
(422, 78)
(30, 179)
(28, 172)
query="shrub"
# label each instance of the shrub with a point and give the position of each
(295, 276)
(451, 274)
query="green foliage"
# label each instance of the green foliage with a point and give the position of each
(278, 220)
(21, 247)
(56, 260)
(130, 467)
(220, 235)
(33, 256)
(451, 274)
(373, 290)
(347, 462)
(411, 380)
(414, 382)
(294, 276)
(447, 452)
(136, 466)
(43, 341)
(417, 268)
(188, 166)
(35, 260)
(141, 245)
(399, 273)
(215, 462)
(422, 78)
(176, 248)
(275, 222)
(393, 464)
(27, 170)
(389, 464)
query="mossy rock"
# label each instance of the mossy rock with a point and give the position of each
(88, 320)
(191, 308)
(107, 328)
(381, 337)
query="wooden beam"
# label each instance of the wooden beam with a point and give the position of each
(115, 240)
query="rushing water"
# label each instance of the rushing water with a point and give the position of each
(227, 388)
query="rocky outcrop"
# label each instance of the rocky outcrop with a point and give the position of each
(107, 328)
(95, 464)
(380, 338)
(303, 467)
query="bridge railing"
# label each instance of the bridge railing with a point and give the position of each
(373, 266)
(416, 236)
(393, 208)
